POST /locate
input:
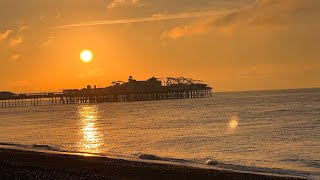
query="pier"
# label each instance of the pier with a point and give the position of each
(118, 91)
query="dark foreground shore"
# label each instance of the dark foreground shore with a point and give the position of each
(17, 164)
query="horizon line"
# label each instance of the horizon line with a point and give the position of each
(227, 91)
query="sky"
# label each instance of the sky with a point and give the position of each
(233, 45)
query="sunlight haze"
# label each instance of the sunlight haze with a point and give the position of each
(233, 45)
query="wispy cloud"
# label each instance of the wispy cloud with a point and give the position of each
(261, 13)
(15, 57)
(159, 17)
(15, 41)
(13, 38)
(47, 42)
(5, 35)
(23, 28)
(193, 28)
(223, 23)
(118, 3)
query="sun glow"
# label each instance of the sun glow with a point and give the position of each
(86, 56)
(233, 122)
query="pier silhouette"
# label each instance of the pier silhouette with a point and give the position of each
(118, 91)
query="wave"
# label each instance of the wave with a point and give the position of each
(50, 149)
(13, 144)
(228, 166)
(45, 147)
(151, 157)
(305, 162)
(212, 162)
(158, 158)
(33, 146)
(257, 169)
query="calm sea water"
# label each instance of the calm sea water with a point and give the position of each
(262, 131)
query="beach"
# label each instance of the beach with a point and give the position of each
(18, 164)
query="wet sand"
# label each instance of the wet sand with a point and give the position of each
(17, 164)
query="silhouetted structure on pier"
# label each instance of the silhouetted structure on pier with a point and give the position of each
(6, 94)
(133, 90)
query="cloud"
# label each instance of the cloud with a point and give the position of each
(47, 42)
(261, 13)
(15, 41)
(15, 57)
(224, 23)
(5, 34)
(119, 3)
(197, 27)
(13, 37)
(280, 11)
(158, 17)
(23, 28)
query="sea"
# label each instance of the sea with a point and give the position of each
(274, 132)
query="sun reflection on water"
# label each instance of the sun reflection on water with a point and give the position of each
(91, 138)
(233, 123)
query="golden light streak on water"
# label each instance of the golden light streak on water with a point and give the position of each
(233, 123)
(91, 140)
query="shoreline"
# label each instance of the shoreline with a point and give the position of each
(19, 164)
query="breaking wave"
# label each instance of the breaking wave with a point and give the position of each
(212, 162)
(158, 158)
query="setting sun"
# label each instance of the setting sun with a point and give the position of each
(86, 56)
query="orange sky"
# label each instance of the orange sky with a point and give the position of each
(232, 45)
